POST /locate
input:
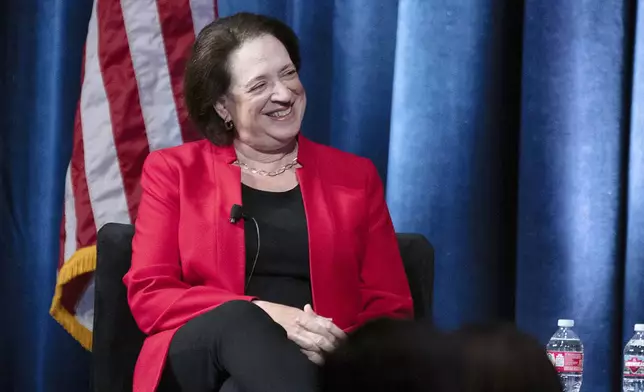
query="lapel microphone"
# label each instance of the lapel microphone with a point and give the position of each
(237, 214)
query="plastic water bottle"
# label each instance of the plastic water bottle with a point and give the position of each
(566, 352)
(634, 362)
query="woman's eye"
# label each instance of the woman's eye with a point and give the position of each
(257, 86)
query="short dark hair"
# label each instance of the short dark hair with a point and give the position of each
(207, 76)
(500, 358)
(387, 355)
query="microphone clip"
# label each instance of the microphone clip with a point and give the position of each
(237, 214)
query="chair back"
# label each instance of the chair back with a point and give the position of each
(117, 339)
(417, 254)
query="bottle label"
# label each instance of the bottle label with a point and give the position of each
(634, 366)
(567, 361)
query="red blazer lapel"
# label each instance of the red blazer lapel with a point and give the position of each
(320, 224)
(230, 252)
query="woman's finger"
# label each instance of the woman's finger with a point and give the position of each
(309, 310)
(331, 327)
(337, 332)
(326, 323)
(321, 342)
(314, 357)
(298, 336)
(316, 325)
(310, 341)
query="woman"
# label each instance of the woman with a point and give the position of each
(226, 302)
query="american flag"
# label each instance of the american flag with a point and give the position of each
(131, 103)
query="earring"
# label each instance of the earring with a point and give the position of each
(229, 125)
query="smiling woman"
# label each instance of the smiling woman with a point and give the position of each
(268, 108)
(220, 310)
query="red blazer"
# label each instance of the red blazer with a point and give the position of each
(187, 258)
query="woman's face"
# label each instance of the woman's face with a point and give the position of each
(266, 100)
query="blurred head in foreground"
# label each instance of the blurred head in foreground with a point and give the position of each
(392, 356)
(406, 356)
(500, 358)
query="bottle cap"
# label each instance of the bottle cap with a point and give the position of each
(639, 327)
(563, 323)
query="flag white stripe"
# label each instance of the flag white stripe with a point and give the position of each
(104, 180)
(150, 64)
(203, 12)
(84, 311)
(69, 247)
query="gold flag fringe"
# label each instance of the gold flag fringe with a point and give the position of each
(83, 261)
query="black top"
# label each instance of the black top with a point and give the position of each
(282, 274)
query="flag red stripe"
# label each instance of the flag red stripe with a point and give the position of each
(85, 225)
(216, 9)
(63, 236)
(122, 92)
(178, 35)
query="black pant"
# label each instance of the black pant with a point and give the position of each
(236, 347)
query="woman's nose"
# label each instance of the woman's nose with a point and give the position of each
(281, 92)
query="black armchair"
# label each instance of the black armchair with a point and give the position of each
(117, 339)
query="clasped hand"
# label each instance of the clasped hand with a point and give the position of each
(313, 333)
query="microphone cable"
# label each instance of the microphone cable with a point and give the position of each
(252, 270)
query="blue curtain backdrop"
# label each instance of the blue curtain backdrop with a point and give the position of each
(42, 42)
(510, 133)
